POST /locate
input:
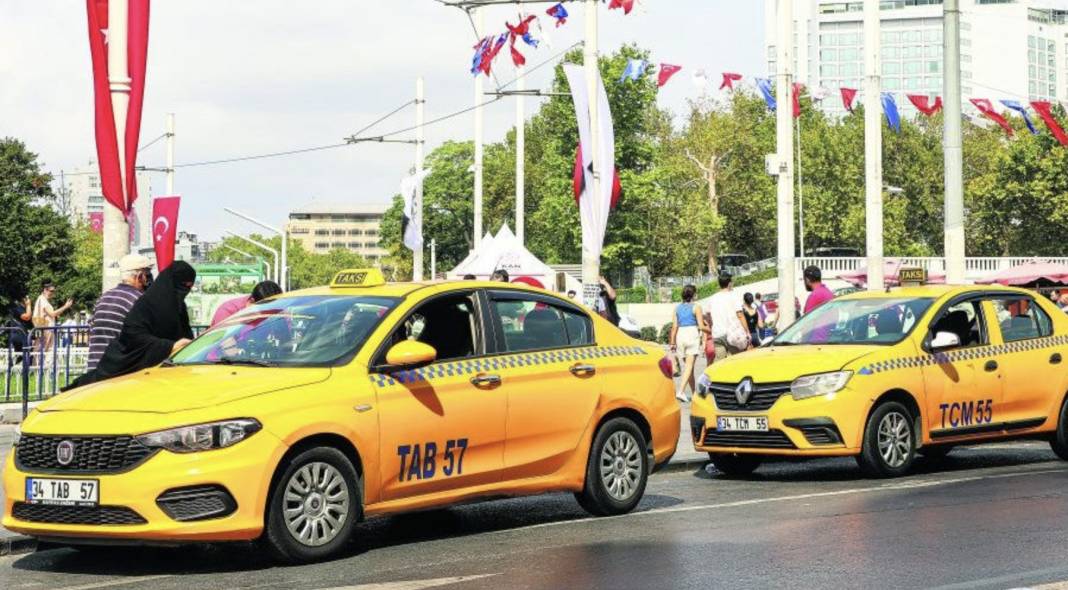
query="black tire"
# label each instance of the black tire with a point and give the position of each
(286, 545)
(735, 464)
(935, 453)
(900, 423)
(627, 474)
(1059, 442)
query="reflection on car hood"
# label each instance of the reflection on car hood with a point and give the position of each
(776, 364)
(175, 389)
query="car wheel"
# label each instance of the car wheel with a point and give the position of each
(1059, 442)
(889, 442)
(314, 506)
(617, 469)
(735, 464)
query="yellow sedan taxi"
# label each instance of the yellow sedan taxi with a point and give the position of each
(298, 417)
(883, 376)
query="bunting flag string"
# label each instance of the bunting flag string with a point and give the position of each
(666, 72)
(559, 13)
(1043, 108)
(764, 85)
(893, 118)
(987, 109)
(848, 96)
(922, 102)
(729, 78)
(626, 5)
(634, 70)
(1019, 108)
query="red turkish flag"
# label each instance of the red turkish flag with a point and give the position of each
(96, 222)
(729, 78)
(987, 108)
(626, 5)
(798, 89)
(923, 103)
(666, 72)
(1044, 110)
(107, 141)
(848, 96)
(164, 229)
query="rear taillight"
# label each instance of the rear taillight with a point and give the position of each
(667, 367)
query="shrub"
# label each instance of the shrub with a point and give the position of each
(648, 333)
(632, 295)
(665, 333)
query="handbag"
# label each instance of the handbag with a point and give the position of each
(738, 337)
(710, 350)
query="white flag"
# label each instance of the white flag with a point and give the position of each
(412, 223)
(593, 209)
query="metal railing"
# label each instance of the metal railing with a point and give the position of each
(975, 267)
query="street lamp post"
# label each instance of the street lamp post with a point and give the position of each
(283, 276)
(274, 253)
(247, 255)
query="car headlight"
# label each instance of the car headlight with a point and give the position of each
(202, 437)
(820, 384)
(704, 385)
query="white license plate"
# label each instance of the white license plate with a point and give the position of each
(742, 423)
(63, 492)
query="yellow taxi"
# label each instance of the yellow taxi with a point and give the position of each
(302, 415)
(883, 376)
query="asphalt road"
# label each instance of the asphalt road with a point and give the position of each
(988, 517)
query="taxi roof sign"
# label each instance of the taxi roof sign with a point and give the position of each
(359, 277)
(912, 276)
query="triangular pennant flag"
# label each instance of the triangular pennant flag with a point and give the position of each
(559, 13)
(796, 97)
(522, 30)
(848, 96)
(1019, 108)
(634, 70)
(700, 80)
(893, 118)
(1045, 112)
(666, 72)
(987, 109)
(820, 94)
(764, 85)
(729, 78)
(626, 5)
(922, 102)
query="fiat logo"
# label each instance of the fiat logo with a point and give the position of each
(65, 452)
(743, 391)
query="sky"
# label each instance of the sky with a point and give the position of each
(247, 77)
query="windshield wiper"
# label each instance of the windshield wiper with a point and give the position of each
(229, 360)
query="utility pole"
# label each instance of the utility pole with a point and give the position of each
(170, 154)
(480, 25)
(116, 227)
(785, 159)
(591, 264)
(433, 259)
(520, 153)
(951, 148)
(873, 145)
(420, 103)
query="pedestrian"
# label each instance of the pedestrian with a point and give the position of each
(687, 334)
(500, 275)
(470, 277)
(752, 318)
(19, 324)
(113, 306)
(156, 327)
(261, 291)
(571, 294)
(605, 304)
(45, 316)
(730, 334)
(762, 313)
(1064, 302)
(818, 293)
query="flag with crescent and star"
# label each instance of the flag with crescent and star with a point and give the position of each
(164, 229)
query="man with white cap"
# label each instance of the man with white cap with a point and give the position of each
(111, 309)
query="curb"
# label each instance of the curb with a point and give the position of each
(17, 545)
(684, 465)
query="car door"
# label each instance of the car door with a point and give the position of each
(1028, 356)
(549, 369)
(441, 428)
(964, 383)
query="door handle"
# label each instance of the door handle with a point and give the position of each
(486, 381)
(1055, 359)
(582, 370)
(991, 366)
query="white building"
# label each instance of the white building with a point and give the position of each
(86, 198)
(1010, 49)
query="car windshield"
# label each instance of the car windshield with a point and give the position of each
(307, 331)
(856, 321)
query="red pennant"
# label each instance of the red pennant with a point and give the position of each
(666, 72)
(987, 109)
(515, 32)
(164, 229)
(798, 89)
(626, 5)
(923, 103)
(729, 78)
(848, 96)
(1044, 110)
(137, 63)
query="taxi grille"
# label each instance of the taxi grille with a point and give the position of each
(772, 439)
(763, 397)
(93, 515)
(92, 454)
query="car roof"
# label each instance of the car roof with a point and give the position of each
(935, 291)
(403, 290)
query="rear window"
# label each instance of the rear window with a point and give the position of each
(1020, 318)
(533, 325)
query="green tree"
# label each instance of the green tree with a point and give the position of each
(83, 281)
(306, 269)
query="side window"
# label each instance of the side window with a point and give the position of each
(446, 323)
(1021, 318)
(533, 325)
(964, 319)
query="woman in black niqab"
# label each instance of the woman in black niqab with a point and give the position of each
(157, 321)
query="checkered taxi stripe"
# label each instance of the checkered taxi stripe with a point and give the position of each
(497, 363)
(975, 353)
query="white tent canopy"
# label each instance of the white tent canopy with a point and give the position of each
(503, 251)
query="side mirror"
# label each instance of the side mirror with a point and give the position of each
(410, 354)
(944, 340)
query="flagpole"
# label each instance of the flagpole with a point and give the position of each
(954, 183)
(170, 154)
(873, 145)
(417, 254)
(480, 24)
(800, 192)
(520, 154)
(116, 228)
(591, 264)
(785, 144)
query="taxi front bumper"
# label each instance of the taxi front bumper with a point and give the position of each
(128, 508)
(824, 426)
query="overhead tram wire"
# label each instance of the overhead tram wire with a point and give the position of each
(463, 111)
(149, 144)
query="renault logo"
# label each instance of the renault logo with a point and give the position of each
(743, 391)
(65, 452)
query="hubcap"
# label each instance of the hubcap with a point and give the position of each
(895, 439)
(621, 464)
(316, 504)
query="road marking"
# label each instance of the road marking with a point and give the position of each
(1053, 586)
(110, 583)
(413, 584)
